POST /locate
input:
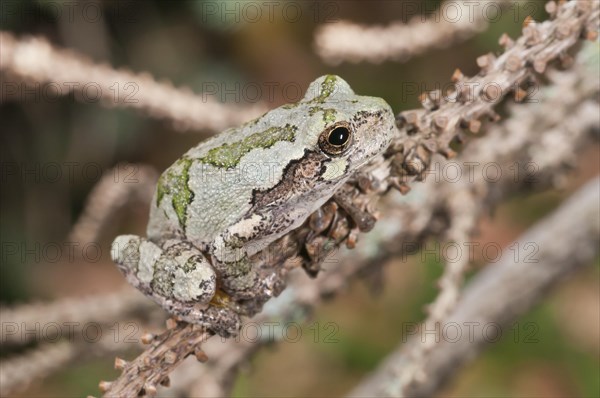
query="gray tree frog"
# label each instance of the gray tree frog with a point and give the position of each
(232, 195)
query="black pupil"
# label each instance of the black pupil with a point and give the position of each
(339, 136)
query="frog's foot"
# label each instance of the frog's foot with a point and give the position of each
(177, 276)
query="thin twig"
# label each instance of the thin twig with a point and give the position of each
(454, 21)
(26, 322)
(122, 185)
(37, 62)
(17, 372)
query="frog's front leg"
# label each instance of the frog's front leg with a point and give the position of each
(231, 252)
(177, 276)
(232, 262)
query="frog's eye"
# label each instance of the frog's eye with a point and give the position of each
(336, 139)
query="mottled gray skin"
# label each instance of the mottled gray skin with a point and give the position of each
(231, 196)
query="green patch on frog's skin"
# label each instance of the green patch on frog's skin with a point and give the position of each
(175, 181)
(229, 155)
(327, 89)
(328, 114)
(161, 189)
(176, 184)
(314, 109)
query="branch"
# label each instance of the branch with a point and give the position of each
(117, 189)
(432, 129)
(552, 141)
(19, 321)
(419, 137)
(17, 372)
(36, 61)
(399, 41)
(153, 367)
(525, 136)
(497, 295)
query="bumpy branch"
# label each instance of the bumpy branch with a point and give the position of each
(20, 323)
(152, 368)
(124, 184)
(432, 129)
(17, 372)
(454, 21)
(35, 61)
(552, 141)
(423, 133)
(497, 296)
(525, 137)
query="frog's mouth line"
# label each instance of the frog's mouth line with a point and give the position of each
(299, 176)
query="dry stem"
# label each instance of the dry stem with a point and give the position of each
(153, 367)
(496, 296)
(346, 41)
(523, 137)
(37, 62)
(433, 129)
(111, 194)
(19, 321)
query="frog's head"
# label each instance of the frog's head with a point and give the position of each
(347, 129)
(334, 134)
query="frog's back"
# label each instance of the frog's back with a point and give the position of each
(211, 186)
(216, 183)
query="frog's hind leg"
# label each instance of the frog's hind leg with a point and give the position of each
(177, 276)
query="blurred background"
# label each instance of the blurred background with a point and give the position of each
(208, 44)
